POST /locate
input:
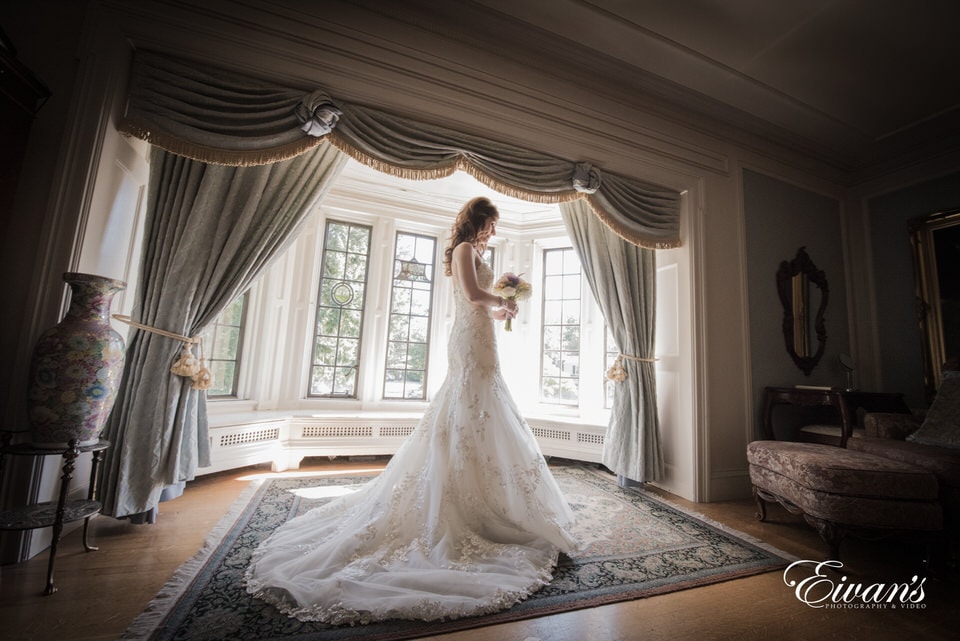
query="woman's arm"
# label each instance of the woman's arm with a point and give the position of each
(465, 269)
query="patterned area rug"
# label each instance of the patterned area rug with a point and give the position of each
(634, 546)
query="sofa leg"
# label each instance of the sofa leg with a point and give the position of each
(831, 533)
(761, 513)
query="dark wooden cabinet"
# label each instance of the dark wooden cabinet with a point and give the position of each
(847, 406)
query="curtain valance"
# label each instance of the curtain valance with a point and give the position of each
(222, 117)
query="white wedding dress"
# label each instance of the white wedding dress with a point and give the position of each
(465, 519)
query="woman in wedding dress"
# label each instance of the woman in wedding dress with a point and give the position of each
(465, 519)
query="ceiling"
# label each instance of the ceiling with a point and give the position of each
(865, 83)
(855, 78)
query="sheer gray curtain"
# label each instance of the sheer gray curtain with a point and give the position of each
(622, 278)
(210, 231)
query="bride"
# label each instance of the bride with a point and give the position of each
(465, 519)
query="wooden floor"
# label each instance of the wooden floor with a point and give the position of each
(101, 592)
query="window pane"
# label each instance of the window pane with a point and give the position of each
(569, 390)
(223, 376)
(553, 287)
(336, 237)
(419, 329)
(551, 338)
(328, 321)
(340, 306)
(401, 300)
(571, 338)
(350, 323)
(396, 354)
(552, 312)
(359, 240)
(413, 386)
(347, 351)
(222, 342)
(344, 383)
(227, 343)
(420, 303)
(333, 264)
(553, 262)
(399, 327)
(233, 314)
(321, 378)
(550, 388)
(417, 357)
(393, 383)
(551, 363)
(411, 299)
(560, 330)
(356, 267)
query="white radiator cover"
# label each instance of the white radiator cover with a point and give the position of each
(284, 442)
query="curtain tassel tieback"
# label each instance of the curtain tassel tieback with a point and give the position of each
(618, 373)
(187, 363)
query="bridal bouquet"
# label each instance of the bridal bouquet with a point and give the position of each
(512, 287)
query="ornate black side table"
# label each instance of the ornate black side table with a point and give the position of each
(63, 510)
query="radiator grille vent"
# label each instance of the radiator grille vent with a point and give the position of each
(397, 430)
(593, 439)
(341, 431)
(554, 433)
(256, 436)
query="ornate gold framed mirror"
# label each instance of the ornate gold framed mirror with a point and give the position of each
(935, 240)
(804, 293)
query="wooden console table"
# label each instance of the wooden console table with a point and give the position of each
(846, 402)
(63, 510)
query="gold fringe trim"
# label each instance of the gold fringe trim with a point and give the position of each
(630, 237)
(408, 173)
(447, 169)
(216, 156)
(516, 192)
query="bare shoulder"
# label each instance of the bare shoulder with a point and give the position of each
(463, 248)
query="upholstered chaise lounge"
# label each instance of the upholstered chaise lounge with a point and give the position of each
(841, 491)
(931, 442)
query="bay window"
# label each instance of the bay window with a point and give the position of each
(355, 317)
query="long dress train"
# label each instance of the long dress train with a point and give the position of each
(465, 519)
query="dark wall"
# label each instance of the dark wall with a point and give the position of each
(780, 218)
(901, 348)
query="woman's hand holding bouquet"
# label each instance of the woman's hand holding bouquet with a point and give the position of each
(511, 287)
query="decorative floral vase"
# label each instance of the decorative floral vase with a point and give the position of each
(76, 367)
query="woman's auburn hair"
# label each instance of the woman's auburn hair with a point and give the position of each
(470, 220)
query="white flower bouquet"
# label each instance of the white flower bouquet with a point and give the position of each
(511, 287)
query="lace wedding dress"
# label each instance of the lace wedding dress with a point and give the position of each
(466, 518)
